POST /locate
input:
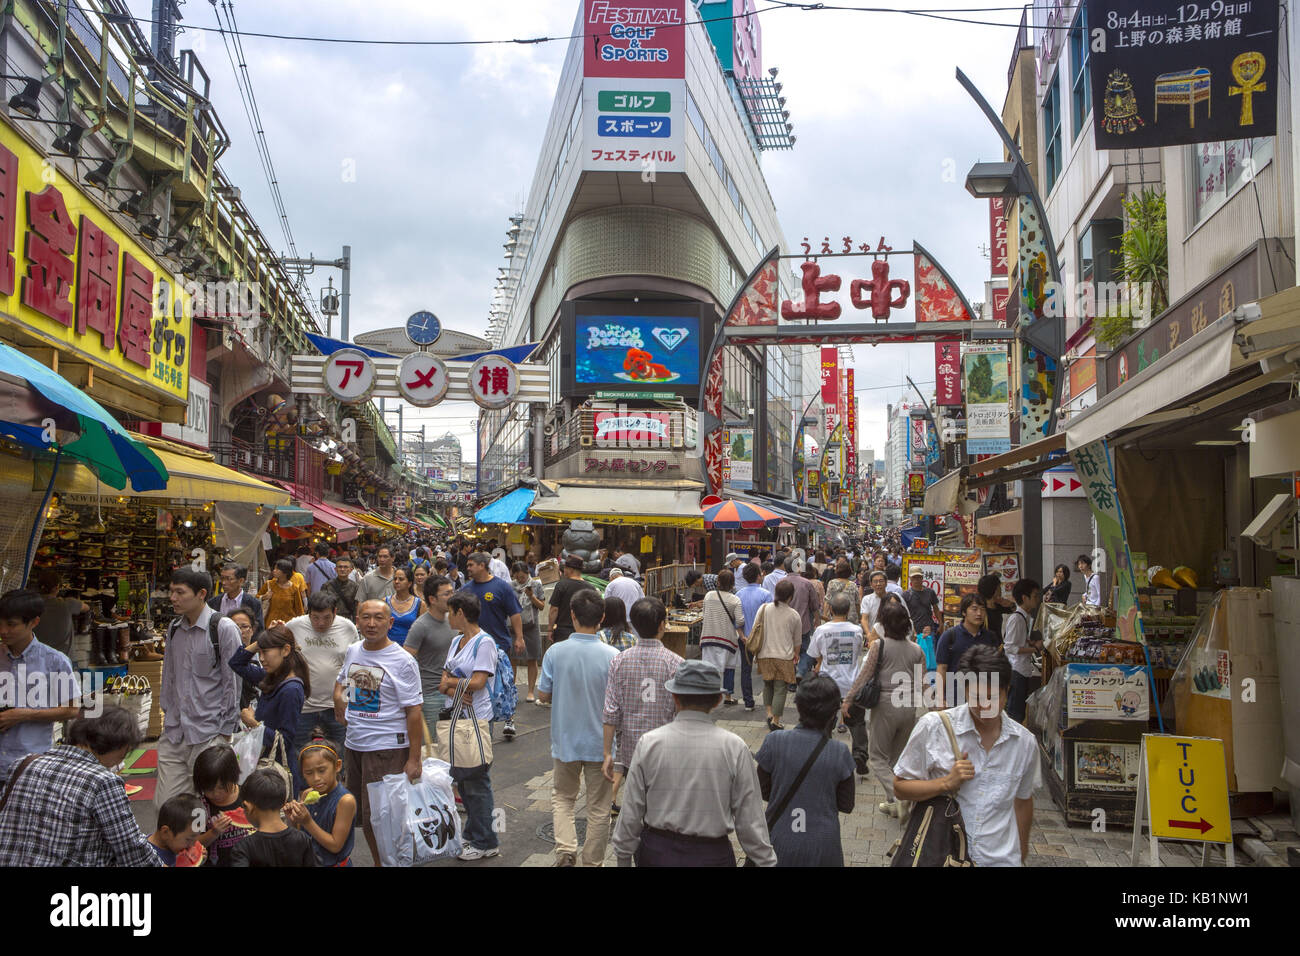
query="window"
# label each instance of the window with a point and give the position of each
(1220, 169)
(693, 114)
(1080, 53)
(1052, 132)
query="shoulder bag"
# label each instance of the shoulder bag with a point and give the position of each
(754, 643)
(774, 810)
(730, 617)
(277, 759)
(466, 745)
(935, 834)
(868, 696)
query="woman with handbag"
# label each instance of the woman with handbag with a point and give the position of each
(282, 598)
(778, 634)
(722, 631)
(892, 662)
(804, 768)
(842, 582)
(466, 743)
(285, 684)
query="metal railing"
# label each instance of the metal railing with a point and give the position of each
(1022, 41)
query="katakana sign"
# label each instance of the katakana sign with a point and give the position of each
(350, 375)
(422, 379)
(493, 381)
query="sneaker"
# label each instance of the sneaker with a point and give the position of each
(749, 707)
(471, 853)
(889, 809)
(509, 731)
(565, 859)
(843, 728)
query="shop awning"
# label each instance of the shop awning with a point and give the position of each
(509, 509)
(375, 521)
(1006, 523)
(435, 521)
(190, 478)
(663, 507)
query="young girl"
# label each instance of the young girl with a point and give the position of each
(216, 779)
(284, 683)
(329, 819)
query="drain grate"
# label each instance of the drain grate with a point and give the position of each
(547, 832)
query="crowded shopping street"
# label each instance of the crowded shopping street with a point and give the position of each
(651, 433)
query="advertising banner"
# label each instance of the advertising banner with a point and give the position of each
(1107, 692)
(1007, 566)
(988, 416)
(76, 281)
(947, 373)
(648, 350)
(635, 39)
(850, 432)
(740, 458)
(1093, 465)
(830, 385)
(998, 236)
(634, 125)
(916, 490)
(1170, 74)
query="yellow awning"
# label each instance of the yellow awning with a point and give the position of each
(670, 508)
(192, 477)
(375, 521)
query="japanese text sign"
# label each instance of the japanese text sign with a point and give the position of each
(493, 381)
(1166, 74)
(422, 379)
(350, 375)
(70, 276)
(1107, 692)
(998, 236)
(634, 39)
(947, 373)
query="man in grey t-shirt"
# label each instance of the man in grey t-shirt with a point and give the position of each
(427, 641)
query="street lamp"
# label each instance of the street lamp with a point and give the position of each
(994, 180)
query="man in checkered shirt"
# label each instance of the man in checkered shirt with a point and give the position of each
(635, 699)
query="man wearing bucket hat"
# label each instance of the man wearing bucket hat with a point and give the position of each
(690, 784)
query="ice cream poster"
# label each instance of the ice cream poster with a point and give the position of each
(1107, 692)
(633, 350)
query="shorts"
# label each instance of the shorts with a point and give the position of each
(532, 642)
(364, 767)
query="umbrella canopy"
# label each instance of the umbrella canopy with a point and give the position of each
(740, 514)
(104, 446)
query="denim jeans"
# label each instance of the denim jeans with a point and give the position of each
(335, 732)
(805, 662)
(746, 677)
(475, 788)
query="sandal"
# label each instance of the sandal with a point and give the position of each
(530, 699)
(730, 701)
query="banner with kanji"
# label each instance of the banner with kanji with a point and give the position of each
(1097, 472)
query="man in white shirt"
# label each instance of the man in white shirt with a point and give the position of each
(499, 570)
(1019, 646)
(775, 576)
(893, 574)
(871, 603)
(323, 637)
(625, 588)
(994, 778)
(836, 647)
(1091, 582)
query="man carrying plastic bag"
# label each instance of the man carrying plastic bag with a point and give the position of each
(415, 823)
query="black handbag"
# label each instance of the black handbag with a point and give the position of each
(935, 834)
(868, 696)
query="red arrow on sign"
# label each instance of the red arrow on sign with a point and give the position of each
(1075, 484)
(1057, 484)
(1204, 825)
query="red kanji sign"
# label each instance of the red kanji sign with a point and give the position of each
(47, 287)
(493, 381)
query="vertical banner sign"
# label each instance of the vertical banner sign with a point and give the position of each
(947, 373)
(1171, 74)
(634, 86)
(832, 466)
(741, 458)
(830, 386)
(1037, 371)
(998, 236)
(998, 298)
(988, 416)
(1093, 464)
(851, 434)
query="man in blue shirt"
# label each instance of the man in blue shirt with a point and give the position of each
(321, 571)
(752, 597)
(39, 678)
(955, 642)
(574, 674)
(499, 612)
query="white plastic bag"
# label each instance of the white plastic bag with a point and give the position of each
(248, 748)
(431, 822)
(415, 823)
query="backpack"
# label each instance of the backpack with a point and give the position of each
(935, 834)
(214, 622)
(505, 697)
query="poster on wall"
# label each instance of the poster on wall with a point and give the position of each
(1007, 566)
(988, 415)
(740, 458)
(1107, 692)
(1106, 765)
(649, 351)
(1172, 74)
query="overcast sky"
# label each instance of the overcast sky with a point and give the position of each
(416, 156)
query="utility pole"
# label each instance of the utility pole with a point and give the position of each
(305, 267)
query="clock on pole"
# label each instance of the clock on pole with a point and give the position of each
(423, 328)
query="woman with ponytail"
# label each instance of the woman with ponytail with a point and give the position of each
(284, 682)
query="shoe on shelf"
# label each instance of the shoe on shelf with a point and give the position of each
(472, 853)
(565, 859)
(509, 731)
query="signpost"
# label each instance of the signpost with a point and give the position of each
(1182, 794)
